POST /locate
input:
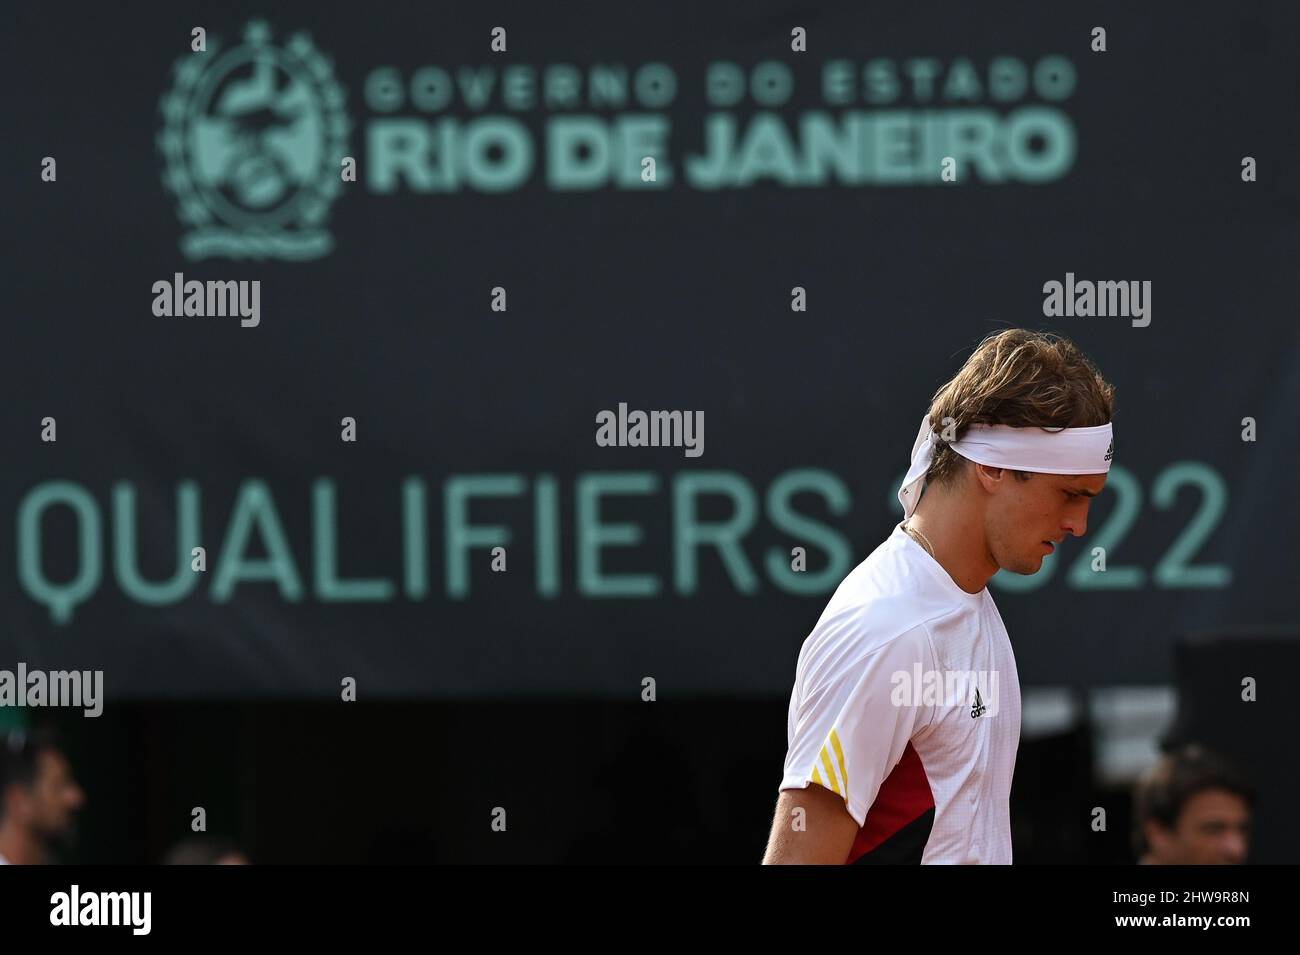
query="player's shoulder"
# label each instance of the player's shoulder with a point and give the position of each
(874, 609)
(850, 633)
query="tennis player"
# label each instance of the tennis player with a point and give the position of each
(905, 714)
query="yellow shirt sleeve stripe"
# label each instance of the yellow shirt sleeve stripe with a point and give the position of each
(839, 756)
(830, 770)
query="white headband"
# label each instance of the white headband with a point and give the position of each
(1068, 451)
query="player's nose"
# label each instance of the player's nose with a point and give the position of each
(1076, 521)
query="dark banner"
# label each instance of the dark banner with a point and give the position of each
(555, 349)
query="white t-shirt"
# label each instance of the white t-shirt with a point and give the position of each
(906, 702)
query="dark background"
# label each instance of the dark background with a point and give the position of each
(670, 299)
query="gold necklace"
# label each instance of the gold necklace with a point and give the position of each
(920, 539)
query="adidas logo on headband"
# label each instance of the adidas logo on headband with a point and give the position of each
(1110, 450)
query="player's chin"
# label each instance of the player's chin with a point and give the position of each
(1035, 559)
(1027, 567)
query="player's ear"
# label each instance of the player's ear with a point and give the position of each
(989, 478)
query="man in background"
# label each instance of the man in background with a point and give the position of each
(1192, 808)
(205, 851)
(39, 798)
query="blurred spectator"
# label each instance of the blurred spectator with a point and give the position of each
(1192, 808)
(39, 798)
(202, 851)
